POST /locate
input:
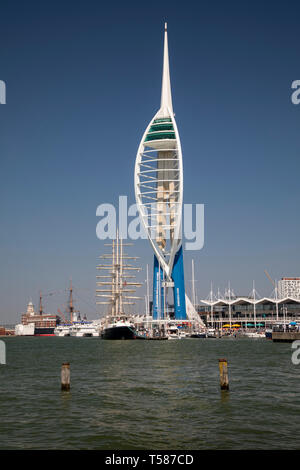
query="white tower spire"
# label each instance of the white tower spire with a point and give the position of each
(166, 106)
(159, 187)
(159, 177)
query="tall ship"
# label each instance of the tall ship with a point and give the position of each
(117, 287)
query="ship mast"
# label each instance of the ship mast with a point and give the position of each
(41, 305)
(114, 287)
(71, 306)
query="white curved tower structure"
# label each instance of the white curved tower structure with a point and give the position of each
(159, 194)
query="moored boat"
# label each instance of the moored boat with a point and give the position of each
(44, 331)
(255, 334)
(173, 333)
(62, 330)
(121, 329)
(115, 288)
(198, 334)
(268, 333)
(211, 333)
(84, 329)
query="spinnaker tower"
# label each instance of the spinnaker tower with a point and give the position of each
(159, 195)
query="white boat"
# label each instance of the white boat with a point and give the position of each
(84, 329)
(211, 333)
(173, 333)
(183, 334)
(62, 330)
(198, 334)
(255, 334)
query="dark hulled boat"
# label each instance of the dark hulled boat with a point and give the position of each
(118, 291)
(44, 331)
(120, 330)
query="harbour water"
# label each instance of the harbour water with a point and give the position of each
(138, 395)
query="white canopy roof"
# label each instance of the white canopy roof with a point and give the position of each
(246, 300)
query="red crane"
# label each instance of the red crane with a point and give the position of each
(61, 314)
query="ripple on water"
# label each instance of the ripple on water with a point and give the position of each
(141, 395)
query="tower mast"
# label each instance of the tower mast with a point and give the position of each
(166, 107)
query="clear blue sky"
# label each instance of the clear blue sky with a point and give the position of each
(83, 80)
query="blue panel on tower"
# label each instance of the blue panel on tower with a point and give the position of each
(179, 290)
(158, 291)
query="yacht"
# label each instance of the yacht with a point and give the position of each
(173, 333)
(211, 333)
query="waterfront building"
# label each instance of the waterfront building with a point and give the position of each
(249, 312)
(289, 287)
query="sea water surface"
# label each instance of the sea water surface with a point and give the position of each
(134, 395)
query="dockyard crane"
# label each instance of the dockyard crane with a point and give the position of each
(61, 315)
(70, 306)
(270, 279)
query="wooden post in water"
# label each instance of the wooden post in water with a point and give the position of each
(224, 382)
(65, 377)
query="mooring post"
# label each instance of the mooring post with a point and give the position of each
(223, 367)
(65, 376)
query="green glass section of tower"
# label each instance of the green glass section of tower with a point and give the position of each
(160, 136)
(161, 129)
(162, 120)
